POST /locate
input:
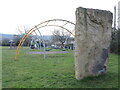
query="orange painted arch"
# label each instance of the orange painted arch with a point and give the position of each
(41, 25)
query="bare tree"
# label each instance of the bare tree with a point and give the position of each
(22, 30)
(60, 37)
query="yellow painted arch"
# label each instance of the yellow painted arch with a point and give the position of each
(41, 26)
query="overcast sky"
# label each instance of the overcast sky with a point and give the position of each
(14, 13)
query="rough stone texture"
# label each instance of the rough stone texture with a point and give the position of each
(92, 40)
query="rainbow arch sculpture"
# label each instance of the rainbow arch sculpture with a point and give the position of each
(45, 24)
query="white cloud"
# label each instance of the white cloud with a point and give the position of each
(32, 12)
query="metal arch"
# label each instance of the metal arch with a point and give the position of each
(34, 29)
(55, 20)
(43, 42)
(40, 38)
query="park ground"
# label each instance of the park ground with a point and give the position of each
(56, 71)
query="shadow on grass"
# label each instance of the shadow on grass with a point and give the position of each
(55, 56)
(109, 80)
(107, 76)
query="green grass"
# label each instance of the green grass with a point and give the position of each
(56, 71)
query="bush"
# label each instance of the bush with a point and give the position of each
(5, 42)
(115, 42)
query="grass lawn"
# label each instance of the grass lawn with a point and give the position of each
(56, 71)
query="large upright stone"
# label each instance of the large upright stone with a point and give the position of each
(92, 41)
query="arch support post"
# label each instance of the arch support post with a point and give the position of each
(43, 41)
(37, 27)
(92, 40)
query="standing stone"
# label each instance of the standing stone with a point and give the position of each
(92, 40)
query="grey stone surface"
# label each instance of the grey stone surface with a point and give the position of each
(92, 39)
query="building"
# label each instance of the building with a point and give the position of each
(119, 14)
